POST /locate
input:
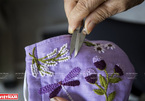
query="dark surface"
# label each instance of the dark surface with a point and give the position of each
(129, 37)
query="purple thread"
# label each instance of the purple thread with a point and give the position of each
(55, 92)
(72, 83)
(117, 69)
(48, 88)
(92, 78)
(100, 64)
(75, 72)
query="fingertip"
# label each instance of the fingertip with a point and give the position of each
(89, 27)
(73, 27)
(70, 29)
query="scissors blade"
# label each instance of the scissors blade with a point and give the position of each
(73, 41)
(77, 44)
(79, 41)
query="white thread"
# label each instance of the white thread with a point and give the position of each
(67, 93)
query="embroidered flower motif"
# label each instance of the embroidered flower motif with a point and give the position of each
(45, 70)
(105, 81)
(56, 87)
(51, 54)
(109, 46)
(99, 49)
(117, 69)
(92, 78)
(99, 63)
(50, 60)
(90, 75)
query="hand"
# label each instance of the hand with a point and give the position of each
(58, 99)
(94, 11)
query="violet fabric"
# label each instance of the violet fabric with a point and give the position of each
(76, 84)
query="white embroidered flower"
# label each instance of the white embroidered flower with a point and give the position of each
(64, 59)
(51, 63)
(109, 46)
(50, 55)
(45, 71)
(99, 49)
(34, 70)
(50, 60)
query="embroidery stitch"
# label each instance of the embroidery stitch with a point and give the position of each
(56, 87)
(100, 48)
(105, 81)
(50, 60)
(90, 75)
(109, 46)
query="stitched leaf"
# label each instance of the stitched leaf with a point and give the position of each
(98, 91)
(42, 73)
(64, 52)
(102, 80)
(114, 80)
(52, 53)
(51, 63)
(63, 59)
(89, 43)
(62, 49)
(111, 96)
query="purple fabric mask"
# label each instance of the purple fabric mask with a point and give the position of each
(100, 72)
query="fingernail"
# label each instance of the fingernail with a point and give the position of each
(70, 30)
(85, 31)
(90, 27)
(53, 99)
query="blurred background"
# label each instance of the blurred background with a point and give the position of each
(24, 22)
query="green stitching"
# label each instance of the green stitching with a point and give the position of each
(49, 60)
(111, 96)
(89, 43)
(104, 82)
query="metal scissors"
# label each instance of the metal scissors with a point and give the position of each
(77, 41)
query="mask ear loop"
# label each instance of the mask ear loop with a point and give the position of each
(25, 88)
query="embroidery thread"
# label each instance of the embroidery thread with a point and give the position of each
(104, 81)
(56, 87)
(100, 48)
(42, 65)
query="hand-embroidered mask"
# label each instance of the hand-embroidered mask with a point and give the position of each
(97, 73)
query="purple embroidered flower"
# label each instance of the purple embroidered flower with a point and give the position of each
(117, 69)
(90, 75)
(92, 78)
(100, 64)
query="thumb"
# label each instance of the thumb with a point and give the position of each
(58, 99)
